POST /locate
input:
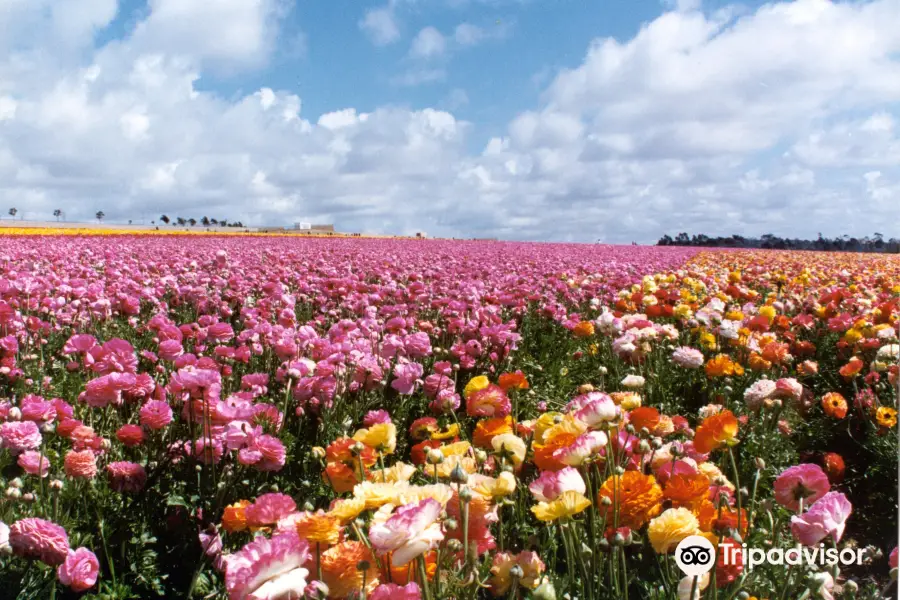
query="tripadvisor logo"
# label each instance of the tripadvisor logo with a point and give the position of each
(696, 555)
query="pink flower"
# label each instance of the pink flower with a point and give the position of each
(410, 532)
(552, 484)
(126, 476)
(407, 377)
(268, 509)
(392, 591)
(585, 446)
(827, 516)
(170, 350)
(106, 390)
(220, 332)
(268, 569)
(156, 414)
(79, 344)
(892, 559)
(491, 401)
(806, 481)
(40, 539)
(687, 357)
(272, 451)
(599, 408)
(436, 383)
(130, 435)
(79, 571)
(374, 417)
(33, 463)
(446, 402)
(417, 345)
(19, 436)
(34, 408)
(81, 465)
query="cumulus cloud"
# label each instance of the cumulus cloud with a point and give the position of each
(780, 120)
(380, 24)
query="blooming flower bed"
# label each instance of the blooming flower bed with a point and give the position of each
(274, 418)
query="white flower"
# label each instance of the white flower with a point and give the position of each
(633, 381)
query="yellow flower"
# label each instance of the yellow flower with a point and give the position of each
(626, 400)
(567, 505)
(568, 425)
(503, 485)
(347, 509)
(708, 341)
(399, 472)
(768, 312)
(456, 449)
(669, 528)
(510, 446)
(378, 494)
(381, 437)
(466, 463)
(446, 434)
(319, 527)
(436, 491)
(886, 416)
(543, 424)
(475, 384)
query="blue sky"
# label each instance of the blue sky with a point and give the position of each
(520, 119)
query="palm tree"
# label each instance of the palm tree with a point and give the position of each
(12, 212)
(100, 214)
(164, 219)
(214, 221)
(57, 213)
(192, 221)
(205, 221)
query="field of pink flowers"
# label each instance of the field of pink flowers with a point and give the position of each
(274, 418)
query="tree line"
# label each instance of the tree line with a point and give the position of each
(845, 243)
(205, 221)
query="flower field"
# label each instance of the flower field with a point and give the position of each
(272, 418)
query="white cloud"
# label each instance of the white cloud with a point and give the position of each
(428, 43)
(380, 24)
(779, 120)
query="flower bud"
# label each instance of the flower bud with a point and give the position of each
(516, 572)
(28, 497)
(56, 484)
(480, 456)
(450, 524)
(458, 474)
(851, 588)
(318, 452)
(606, 501)
(545, 591)
(454, 545)
(16, 483)
(363, 565)
(435, 456)
(308, 506)
(14, 414)
(760, 464)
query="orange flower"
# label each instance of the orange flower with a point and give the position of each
(488, 429)
(340, 477)
(687, 490)
(716, 430)
(757, 363)
(776, 352)
(834, 405)
(638, 495)
(644, 416)
(722, 366)
(513, 381)
(405, 573)
(583, 329)
(235, 517)
(340, 572)
(834, 467)
(543, 453)
(319, 527)
(852, 368)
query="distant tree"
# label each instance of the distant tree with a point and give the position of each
(100, 214)
(223, 222)
(129, 221)
(12, 212)
(180, 221)
(164, 219)
(205, 221)
(192, 221)
(57, 213)
(214, 221)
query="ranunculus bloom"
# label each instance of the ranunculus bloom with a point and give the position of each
(552, 484)
(410, 532)
(126, 476)
(79, 571)
(490, 401)
(715, 431)
(130, 435)
(19, 436)
(392, 591)
(267, 569)
(81, 465)
(156, 414)
(268, 509)
(669, 528)
(40, 539)
(806, 481)
(33, 463)
(827, 516)
(639, 498)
